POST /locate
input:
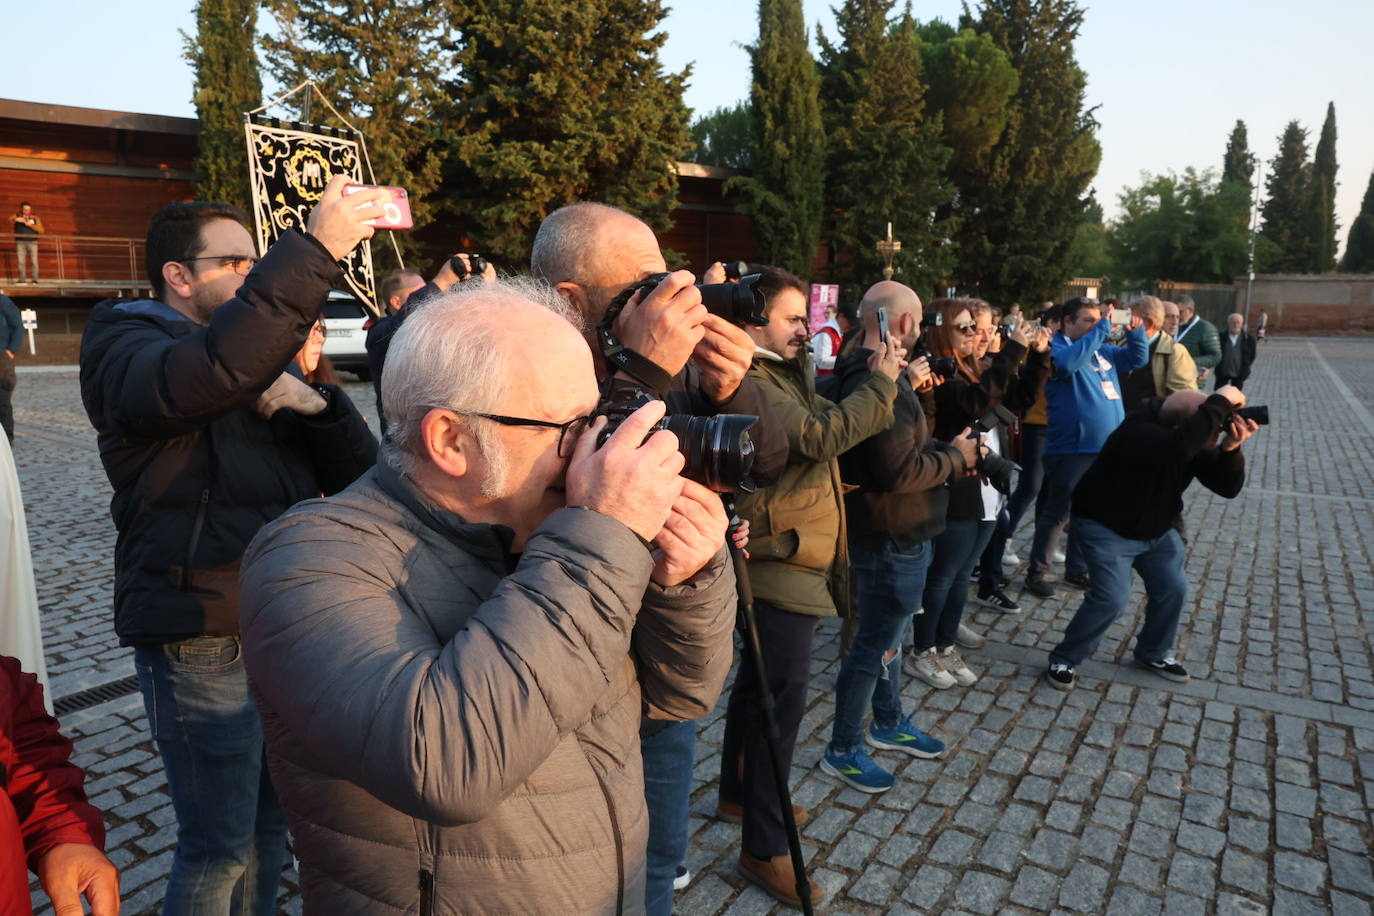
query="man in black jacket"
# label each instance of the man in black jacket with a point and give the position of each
(207, 434)
(589, 253)
(1238, 350)
(897, 507)
(1128, 508)
(11, 339)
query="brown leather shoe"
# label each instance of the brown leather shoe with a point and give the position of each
(777, 877)
(733, 813)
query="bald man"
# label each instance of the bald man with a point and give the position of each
(897, 508)
(1127, 511)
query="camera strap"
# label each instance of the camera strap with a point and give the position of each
(621, 358)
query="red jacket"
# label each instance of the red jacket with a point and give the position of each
(42, 803)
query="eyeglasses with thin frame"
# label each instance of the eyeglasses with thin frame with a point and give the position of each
(240, 264)
(566, 443)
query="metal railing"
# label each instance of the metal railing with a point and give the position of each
(76, 261)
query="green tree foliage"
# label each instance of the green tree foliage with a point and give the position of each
(1323, 206)
(227, 85)
(885, 159)
(722, 137)
(554, 103)
(1287, 225)
(971, 83)
(784, 194)
(379, 62)
(1020, 209)
(1239, 163)
(1180, 227)
(1359, 245)
(1089, 256)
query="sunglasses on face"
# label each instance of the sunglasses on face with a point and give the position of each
(966, 328)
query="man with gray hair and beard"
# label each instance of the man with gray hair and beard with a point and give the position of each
(697, 362)
(452, 656)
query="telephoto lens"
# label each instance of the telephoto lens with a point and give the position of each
(739, 303)
(718, 450)
(1258, 413)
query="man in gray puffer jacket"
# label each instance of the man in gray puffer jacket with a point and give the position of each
(451, 658)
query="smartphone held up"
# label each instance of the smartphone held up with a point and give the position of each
(395, 209)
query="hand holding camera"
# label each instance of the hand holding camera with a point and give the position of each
(919, 375)
(1232, 394)
(633, 479)
(694, 531)
(666, 324)
(340, 223)
(292, 393)
(969, 445)
(723, 356)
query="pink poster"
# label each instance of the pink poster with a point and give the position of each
(822, 294)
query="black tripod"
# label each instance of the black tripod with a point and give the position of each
(749, 632)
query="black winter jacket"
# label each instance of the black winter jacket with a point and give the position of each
(195, 470)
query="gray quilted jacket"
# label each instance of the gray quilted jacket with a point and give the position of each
(454, 729)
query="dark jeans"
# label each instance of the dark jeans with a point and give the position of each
(1062, 473)
(1111, 558)
(1032, 463)
(890, 583)
(231, 830)
(8, 380)
(668, 758)
(957, 548)
(1223, 380)
(990, 563)
(746, 773)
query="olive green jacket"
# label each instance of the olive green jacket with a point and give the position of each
(798, 550)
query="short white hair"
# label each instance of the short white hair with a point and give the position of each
(569, 246)
(449, 353)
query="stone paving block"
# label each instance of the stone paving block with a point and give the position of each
(1129, 901)
(1085, 889)
(1301, 873)
(1244, 872)
(980, 893)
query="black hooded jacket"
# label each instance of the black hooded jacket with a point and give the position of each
(195, 470)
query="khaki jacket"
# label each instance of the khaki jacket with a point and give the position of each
(1172, 367)
(799, 557)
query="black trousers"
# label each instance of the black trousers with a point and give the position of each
(1223, 380)
(7, 382)
(746, 772)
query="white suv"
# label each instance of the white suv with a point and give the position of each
(346, 322)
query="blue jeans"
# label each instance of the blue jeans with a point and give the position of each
(231, 830)
(1062, 473)
(890, 583)
(956, 550)
(1032, 461)
(668, 759)
(1111, 558)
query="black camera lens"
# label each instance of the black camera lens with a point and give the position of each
(719, 450)
(943, 366)
(734, 270)
(739, 303)
(1258, 413)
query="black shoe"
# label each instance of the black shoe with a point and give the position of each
(1060, 677)
(1078, 580)
(1039, 587)
(998, 600)
(1167, 668)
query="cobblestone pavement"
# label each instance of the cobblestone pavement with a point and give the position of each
(1248, 790)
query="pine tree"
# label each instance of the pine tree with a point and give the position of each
(379, 62)
(784, 194)
(1359, 245)
(972, 82)
(227, 85)
(885, 159)
(1287, 222)
(558, 102)
(1323, 214)
(722, 136)
(1239, 164)
(1020, 208)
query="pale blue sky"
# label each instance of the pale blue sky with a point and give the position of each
(1170, 77)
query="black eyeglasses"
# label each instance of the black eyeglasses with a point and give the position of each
(566, 443)
(240, 264)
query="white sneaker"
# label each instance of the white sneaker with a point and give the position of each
(970, 638)
(953, 664)
(1060, 556)
(1009, 557)
(926, 666)
(682, 878)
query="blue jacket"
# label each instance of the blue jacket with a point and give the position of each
(11, 327)
(1082, 411)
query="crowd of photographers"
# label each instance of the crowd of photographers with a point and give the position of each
(462, 668)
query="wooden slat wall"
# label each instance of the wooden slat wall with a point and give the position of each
(76, 204)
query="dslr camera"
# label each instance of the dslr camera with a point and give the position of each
(718, 450)
(945, 367)
(479, 266)
(738, 302)
(1002, 473)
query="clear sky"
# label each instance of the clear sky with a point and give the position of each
(1169, 77)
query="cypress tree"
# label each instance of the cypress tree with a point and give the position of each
(1359, 245)
(1239, 164)
(379, 63)
(226, 85)
(554, 103)
(1286, 213)
(886, 159)
(1020, 208)
(784, 194)
(1324, 196)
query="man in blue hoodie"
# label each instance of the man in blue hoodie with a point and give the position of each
(1083, 395)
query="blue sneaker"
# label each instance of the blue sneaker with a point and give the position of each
(906, 738)
(857, 770)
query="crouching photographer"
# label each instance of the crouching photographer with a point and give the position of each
(985, 398)
(660, 341)
(1128, 511)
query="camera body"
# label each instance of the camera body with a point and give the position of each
(1259, 413)
(718, 450)
(945, 367)
(739, 302)
(1002, 473)
(477, 262)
